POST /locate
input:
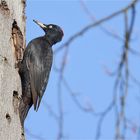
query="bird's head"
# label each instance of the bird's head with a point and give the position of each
(52, 31)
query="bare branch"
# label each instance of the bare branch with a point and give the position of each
(85, 29)
(106, 30)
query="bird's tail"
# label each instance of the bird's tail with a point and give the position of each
(23, 111)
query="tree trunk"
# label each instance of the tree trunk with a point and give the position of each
(12, 42)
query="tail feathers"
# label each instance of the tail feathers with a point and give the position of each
(23, 111)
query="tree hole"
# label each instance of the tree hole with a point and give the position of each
(8, 117)
(15, 93)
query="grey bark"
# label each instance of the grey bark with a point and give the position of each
(10, 84)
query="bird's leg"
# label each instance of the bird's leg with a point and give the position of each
(24, 107)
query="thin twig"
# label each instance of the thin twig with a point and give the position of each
(86, 28)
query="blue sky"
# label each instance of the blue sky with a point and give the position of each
(88, 59)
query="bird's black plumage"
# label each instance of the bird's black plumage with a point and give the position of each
(35, 67)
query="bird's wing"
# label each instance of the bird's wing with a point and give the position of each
(39, 69)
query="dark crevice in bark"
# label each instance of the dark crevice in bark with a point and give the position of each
(17, 37)
(15, 101)
(8, 117)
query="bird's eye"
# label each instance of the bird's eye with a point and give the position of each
(50, 26)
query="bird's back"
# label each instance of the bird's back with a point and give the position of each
(37, 64)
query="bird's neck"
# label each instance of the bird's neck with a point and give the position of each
(49, 39)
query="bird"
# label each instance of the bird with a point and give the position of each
(35, 67)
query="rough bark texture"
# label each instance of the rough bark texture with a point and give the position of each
(12, 32)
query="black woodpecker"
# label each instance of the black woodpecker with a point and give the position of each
(35, 67)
